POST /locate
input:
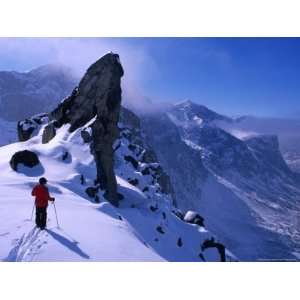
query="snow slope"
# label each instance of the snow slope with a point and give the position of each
(89, 231)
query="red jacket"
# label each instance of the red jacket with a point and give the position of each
(41, 195)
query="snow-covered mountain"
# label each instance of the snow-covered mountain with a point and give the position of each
(287, 131)
(39, 90)
(242, 186)
(137, 223)
(231, 171)
(8, 132)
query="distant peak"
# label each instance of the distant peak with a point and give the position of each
(185, 103)
(50, 68)
(192, 110)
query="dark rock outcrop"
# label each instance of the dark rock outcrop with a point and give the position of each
(145, 189)
(87, 138)
(212, 244)
(97, 96)
(134, 181)
(194, 218)
(131, 160)
(91, 191)
(48, 133)
(143, 159)
(179, 242)
(27, 127)
(65, 155)
(82, 180)
(25, 157)
(160, 230)
(25, 133)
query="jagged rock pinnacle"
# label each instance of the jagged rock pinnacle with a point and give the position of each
(98, 95)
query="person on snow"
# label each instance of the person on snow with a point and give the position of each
(41, 194)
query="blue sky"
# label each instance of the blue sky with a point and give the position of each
(235, 76)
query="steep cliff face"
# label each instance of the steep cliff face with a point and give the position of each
(182, 163)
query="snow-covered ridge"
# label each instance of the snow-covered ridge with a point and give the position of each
(144, 228)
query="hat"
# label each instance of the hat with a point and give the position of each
(43, 180)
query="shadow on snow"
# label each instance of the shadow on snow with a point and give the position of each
(71, 245)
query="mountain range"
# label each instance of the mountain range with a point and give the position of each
(239, 174)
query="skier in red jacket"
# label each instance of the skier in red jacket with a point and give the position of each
(41, 193)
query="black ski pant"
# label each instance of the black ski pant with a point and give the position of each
(41, 216)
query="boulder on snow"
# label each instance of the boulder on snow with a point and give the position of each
(134, 181)
(87, 138)
(149, 156)
(145, 189)
(27, 127)
(65, 155)
(25, 157)
(82, 179)
(153, 208)
(160, 230)
(91, 191)
(132, 160)
(48, 133)
(194, 218)
(146, 171)
(179, 242)
(25, 130)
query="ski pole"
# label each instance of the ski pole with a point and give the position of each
(55, 214)
(32, 211)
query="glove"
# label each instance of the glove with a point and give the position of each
(52, 199)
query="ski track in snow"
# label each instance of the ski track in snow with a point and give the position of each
(27, 246)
